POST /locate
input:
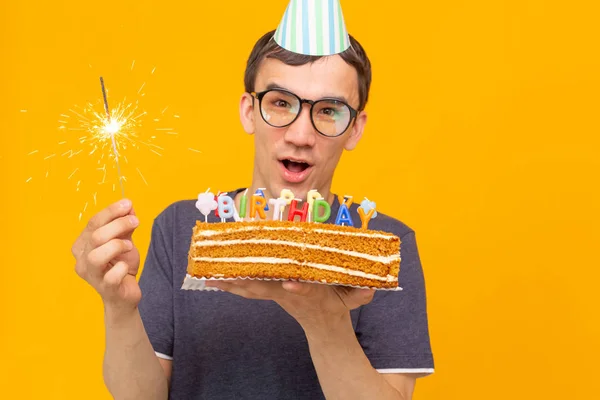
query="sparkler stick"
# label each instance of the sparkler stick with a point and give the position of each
(112, 132)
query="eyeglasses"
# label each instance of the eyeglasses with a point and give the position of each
(280, 108)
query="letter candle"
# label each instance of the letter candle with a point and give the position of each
(294, 210)
(366, 212)
(343, 215)
(243, 203)
(310, 199)
(225, 206)
(288, 196)
(257, 205)
(278, 206)
(326, 214)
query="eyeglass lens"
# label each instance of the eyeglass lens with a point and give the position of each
(330, 117)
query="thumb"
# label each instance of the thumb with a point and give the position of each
(362, 296)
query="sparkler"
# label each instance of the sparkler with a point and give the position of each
(95, 135)
(112, 127)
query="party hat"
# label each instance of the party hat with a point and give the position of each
(313, 27)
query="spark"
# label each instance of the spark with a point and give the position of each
(176, 116)
(27, 181)
(194, 150)
(103, 136)
(80, 214)
(140, 172)
(23, 111)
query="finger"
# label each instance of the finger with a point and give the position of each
(120, 227)
(115, 210)
(260, 288)
(299, 288)
(101, 256)
(115, 275)
(234, 287)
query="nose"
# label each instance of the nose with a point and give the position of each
(302, 132)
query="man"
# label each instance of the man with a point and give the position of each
(261, 340)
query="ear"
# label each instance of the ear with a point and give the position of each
(247, 112)
(356, 131)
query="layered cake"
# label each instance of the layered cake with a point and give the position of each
(286, 250)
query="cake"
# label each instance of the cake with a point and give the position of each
(293, 250)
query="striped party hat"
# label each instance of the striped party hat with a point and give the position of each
(313, 27)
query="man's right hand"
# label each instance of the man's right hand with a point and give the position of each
(106, 257)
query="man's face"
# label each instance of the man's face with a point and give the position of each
(297, 157)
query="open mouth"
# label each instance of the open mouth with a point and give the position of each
(295, 166)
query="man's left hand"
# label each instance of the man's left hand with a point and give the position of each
(313, 305)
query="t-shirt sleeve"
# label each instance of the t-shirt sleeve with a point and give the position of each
(156, 283)
(393, 328)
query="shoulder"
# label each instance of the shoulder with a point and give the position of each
(178, 217)
(181, 209)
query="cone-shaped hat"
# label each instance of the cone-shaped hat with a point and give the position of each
(313, 27)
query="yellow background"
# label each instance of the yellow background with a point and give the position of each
(483, 137)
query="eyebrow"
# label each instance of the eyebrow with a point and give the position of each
(276, 86)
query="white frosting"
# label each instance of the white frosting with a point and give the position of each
(381, 259)
(275, 260)
(292, 228)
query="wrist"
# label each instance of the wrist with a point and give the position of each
(328, 328)
(118, 314)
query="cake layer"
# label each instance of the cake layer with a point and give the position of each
(281, 268)
(297, 251)
(343, 238)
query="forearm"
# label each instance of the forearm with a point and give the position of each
(131, 368)
(343, 369)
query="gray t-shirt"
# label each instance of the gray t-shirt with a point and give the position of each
(224, 346)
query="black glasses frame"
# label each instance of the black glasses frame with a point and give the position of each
(260, 95)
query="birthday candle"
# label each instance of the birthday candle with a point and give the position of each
(343, 215)
(365, 218)
(278, 205)
(257, 205)
(294, 210)
(321, 203)
(243, 201)
(261, 192)
(310, 198)
(225, 207)
(288, 196)
(366, 211)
